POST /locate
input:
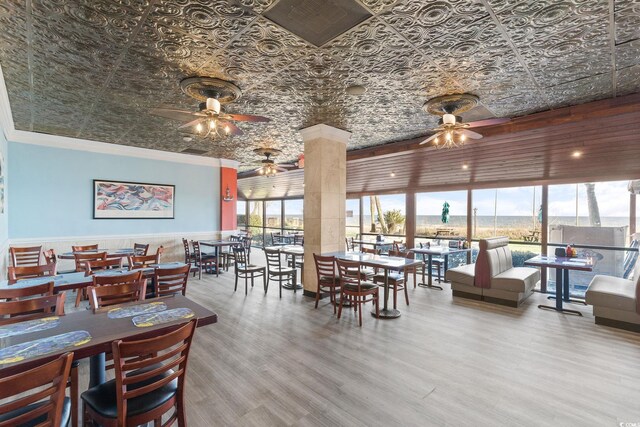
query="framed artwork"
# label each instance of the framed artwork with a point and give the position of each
(132, 200)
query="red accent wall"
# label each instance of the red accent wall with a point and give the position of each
(228, 218)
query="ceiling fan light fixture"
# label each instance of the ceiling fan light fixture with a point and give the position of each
(213, 105)
(449, 119)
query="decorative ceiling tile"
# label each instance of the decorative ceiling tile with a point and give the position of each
(580, 91)
(422, 22)
(627, 16)
(628, 54)
(628, 80)
(377, 6)
(257, 6)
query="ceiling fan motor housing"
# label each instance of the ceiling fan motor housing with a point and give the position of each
(449, 119)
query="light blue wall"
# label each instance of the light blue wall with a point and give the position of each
(4, 217)
(51, 193)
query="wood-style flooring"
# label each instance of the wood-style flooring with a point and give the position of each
(445, 361)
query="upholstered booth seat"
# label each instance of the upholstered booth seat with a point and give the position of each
(462, 279)
(615, 301)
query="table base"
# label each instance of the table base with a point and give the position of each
(575, 301)
(560, 310)
(291, 287)
(388, 313)
(427, 285)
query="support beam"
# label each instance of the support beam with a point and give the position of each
(544, 235)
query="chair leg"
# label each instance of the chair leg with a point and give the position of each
(73, 394)
(246, 285)
(318, 295)
(180, 410)
(79, 296)
(377, 303)
(280, 286)
(340, 306)
(265, 283)
(360, 315)
(235, 288)
(295, 280)
(406, 293)
(395, 295)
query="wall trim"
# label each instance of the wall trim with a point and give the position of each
(31, 240)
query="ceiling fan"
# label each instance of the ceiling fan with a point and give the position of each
(268, 167)
(210, 120)
(452, 131)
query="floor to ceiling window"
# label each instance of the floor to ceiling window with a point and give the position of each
(241, 214)
(293, 215)
(384, 214)
(352, 217)
(256, 222)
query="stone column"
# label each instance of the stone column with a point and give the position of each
(325, 186)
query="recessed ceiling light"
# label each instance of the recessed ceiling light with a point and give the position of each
(356, 90)
(392, 174)
(576, 154)
(465, 166)
(187, 138)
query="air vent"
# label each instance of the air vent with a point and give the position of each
(317, 21)
(194, 151)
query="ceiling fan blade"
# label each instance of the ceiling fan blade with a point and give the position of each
(280, 169)
(469, 133)
(247, 118)
(286, 165)
(191, 123)
(169, 113)
(432, 137)
(488, 122)
(233, 129)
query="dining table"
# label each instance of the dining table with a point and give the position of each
(385, 263)
(111, 253)
(562, 266)
(217, 245)
(294, 251)
(89, 333)
(79, 279)
(429, 252)
(377, 244)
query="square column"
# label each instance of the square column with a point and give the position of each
(325, 186)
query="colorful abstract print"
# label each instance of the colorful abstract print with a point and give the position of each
(130, 200)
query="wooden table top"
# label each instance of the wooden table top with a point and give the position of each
(288, 249)
(214, 243)
(376, 261)
(566, 263)
(103, 331)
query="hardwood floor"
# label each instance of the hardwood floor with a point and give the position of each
(445, 361)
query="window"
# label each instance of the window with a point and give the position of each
(241, 212)
(273, 209)
(293, 214)
(429, 218)
(384, 214)
(256, 222)
(352, 217)
(594, 214)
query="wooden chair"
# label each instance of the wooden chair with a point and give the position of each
(355, 289)
(351, 247)
(298, 240)
(103, 296)
(45, 289)
(29, 256)
(144, 261)
(435, 262)
(203, 261)
(36, 397)
(140, 249)
(276, 271)
(414, 270)
(31, 308)
(246, 271)
(328, 279)
(118, 279)
(399, 246)
(169, 281)
(368, 272)
(277, 239)
(85, 248)
(82, 258)
(226, 253)
(15, 274)
(149, 382)
(398, 281)
(50, 256)
(102, 264)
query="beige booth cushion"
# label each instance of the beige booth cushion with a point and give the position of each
(516, 279)
(612, 292)
(463, 274)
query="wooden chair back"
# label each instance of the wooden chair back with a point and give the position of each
(399, 254)
(371, 251)
(144, 261)
(399, 246)
(197, 252)
(349, 273)
(103, 296)
(276, 238)
(27, 256)
(325, 267)
(165, 359)
(240, 256)
(82, 258)
(15, 274)
(298, 240)
(350, 245)
(84, 248)
(187, 251)
(140, 249)
(31, 308)
(117, 279)
(169, 281)
(274, 261)
(50, 256)
(102, 264)
(40, 389)
(45, 289)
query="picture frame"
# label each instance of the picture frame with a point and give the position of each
(132, 200)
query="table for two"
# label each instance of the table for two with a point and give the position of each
(294, 251)
(376, 244)
(442, 251)
(562, 265)
(111, 253)
(385, 263)
(217, 245)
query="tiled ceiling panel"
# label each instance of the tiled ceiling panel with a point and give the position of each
(96, 68)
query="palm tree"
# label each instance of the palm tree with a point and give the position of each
(592, 204)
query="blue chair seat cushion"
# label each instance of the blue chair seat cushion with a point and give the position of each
(103, 399)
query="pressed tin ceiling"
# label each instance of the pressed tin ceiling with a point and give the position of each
(94, 68)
